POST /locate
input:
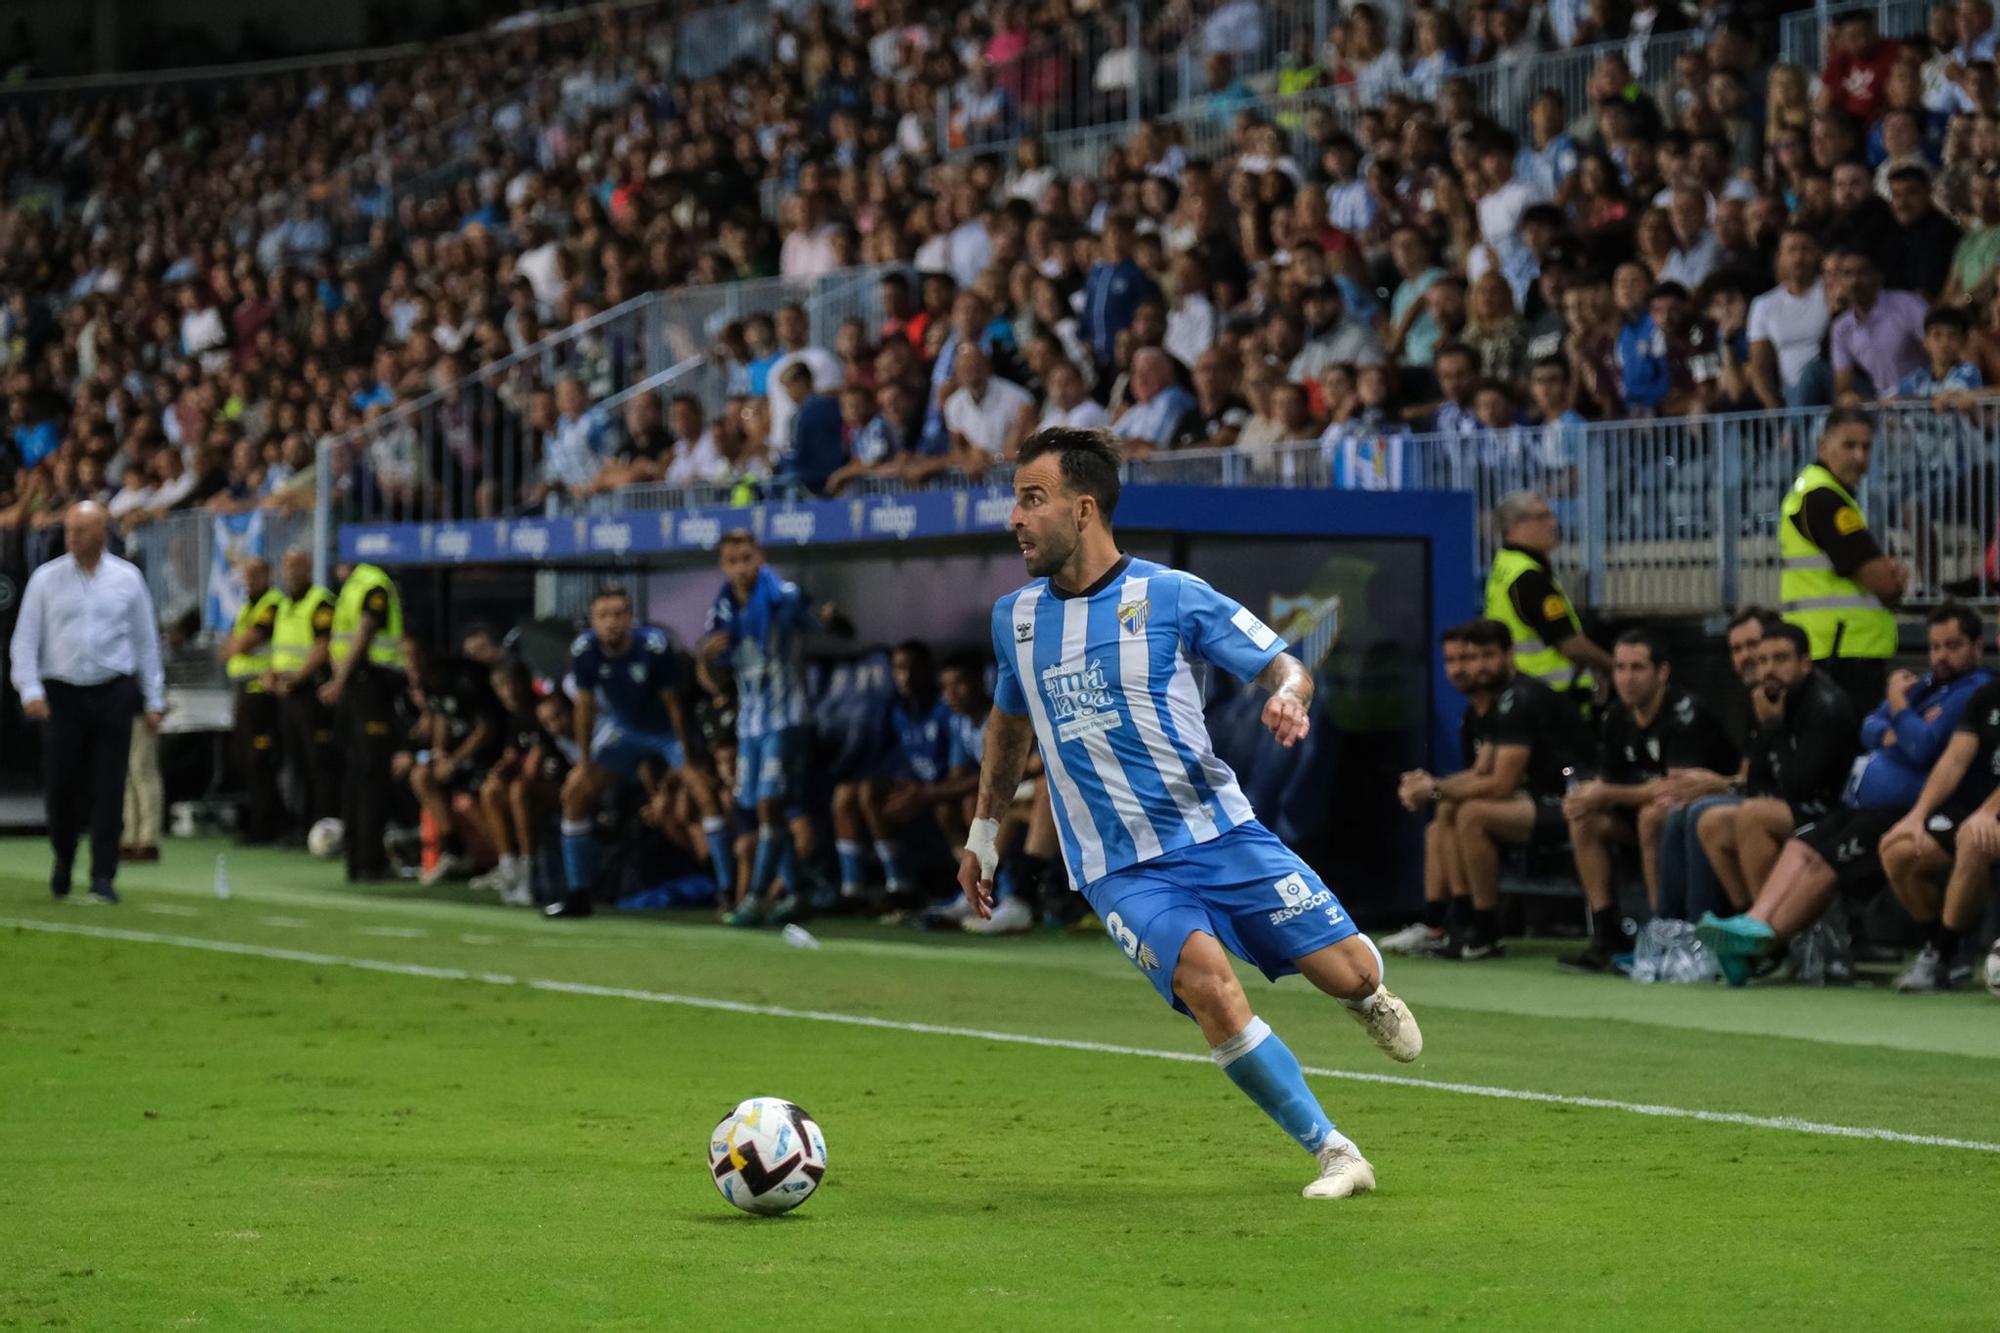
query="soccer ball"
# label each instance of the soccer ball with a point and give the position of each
(767, 1156)
(1993, 970)
(326, 838)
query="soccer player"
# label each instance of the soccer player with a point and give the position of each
(759, 621)
(1095, 662)
(629, 683)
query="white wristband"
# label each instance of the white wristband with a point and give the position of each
(980, 842)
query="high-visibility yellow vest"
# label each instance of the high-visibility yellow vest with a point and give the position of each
(1532, 657)
(248, 667)
(1839, 616)
(292, 637)
(386, 648)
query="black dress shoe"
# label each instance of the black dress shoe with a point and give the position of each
(571, 905)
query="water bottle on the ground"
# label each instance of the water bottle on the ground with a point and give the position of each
(222, 874)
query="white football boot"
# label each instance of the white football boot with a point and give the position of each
(1391, 1024)
(1414, 938)
(1342, 1171)
(1010, 917)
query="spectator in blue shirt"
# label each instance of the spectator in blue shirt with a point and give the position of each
(1947, 379)
(1159, 405)
(1114, 288)
(817, 447)
(1642, 345)
(1548, 162)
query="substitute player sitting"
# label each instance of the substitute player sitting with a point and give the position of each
(1095, 660)
(628, 713)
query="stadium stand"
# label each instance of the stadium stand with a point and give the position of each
(1626, 259)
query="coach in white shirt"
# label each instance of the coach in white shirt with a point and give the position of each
(86, 657)
(987, 417)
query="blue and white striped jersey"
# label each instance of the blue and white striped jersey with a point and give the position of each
(767, 654)
(1107, 677)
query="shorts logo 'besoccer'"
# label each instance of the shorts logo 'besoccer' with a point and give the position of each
(1298, 899)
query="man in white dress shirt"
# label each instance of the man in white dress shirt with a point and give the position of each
(86, 661)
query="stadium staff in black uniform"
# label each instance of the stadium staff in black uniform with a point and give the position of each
(1522, 593)
(366, 643)
(1531, 739)
(85, 660)
(1652, 729)
(246, 657)
(1834, 582)
(1808, 733)
(1474, 669)
(300, 649)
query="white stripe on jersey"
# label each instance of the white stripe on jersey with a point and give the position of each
(1089, 845)
(1124, 803)
(1184, 706)
(1135, 674)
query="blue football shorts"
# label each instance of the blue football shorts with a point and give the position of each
(771, 767)
(623, 751)
(1245, 887)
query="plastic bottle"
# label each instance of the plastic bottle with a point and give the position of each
(222, 874)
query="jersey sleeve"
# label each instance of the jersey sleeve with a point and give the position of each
(322, 621)
(1224, 632)
(1008, 695)
(580, 668)
(1981, 717)
(376, 604)
(1513, 721)
(1541, 607)
(1837, 528)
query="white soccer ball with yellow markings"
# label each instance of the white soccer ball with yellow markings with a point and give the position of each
(767, 1156)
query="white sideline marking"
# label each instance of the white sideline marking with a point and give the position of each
(168, 909)
(1789, 1124)
(393, 932)
(285, 922)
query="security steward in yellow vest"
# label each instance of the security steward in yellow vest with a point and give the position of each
(1522, 593)
(1834, 582)
(301, 643)
(247, 659)
(368, 678)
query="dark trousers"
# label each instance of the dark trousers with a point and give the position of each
(307, 727)
(368, 727)
(1865, 680)
(86, 745)
(260, 760)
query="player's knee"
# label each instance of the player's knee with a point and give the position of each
(1652, 822)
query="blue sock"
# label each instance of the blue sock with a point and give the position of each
(853, 865)
(1269, 1074)
(1003, 880)
(721, 857)
(770, 850)
(579, 855)
(890, 855)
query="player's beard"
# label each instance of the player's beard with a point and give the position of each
(1050, 554)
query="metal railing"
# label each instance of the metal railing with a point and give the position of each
(187, 556)
(475, 448)
(1802, 35)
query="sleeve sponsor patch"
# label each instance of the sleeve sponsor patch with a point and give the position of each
(1253, 629)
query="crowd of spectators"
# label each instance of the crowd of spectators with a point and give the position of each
(1377, 260)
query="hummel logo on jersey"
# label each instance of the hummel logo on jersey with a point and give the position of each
(1024, 630)
(1298, 898)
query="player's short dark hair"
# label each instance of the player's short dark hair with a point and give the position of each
(1790, 633)
(1088, 459)
(1485, 632)
(606, 591)
(736, 537)
(1948, 316)
(1761, 614)
(1958, 613)
(920, 652)
(1640, 636)
(970, 662)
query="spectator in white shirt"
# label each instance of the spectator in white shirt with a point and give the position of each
(695, 459)
(1070, 404)
(1191, 321)
(1694, 254)
(86, 663)
(1158, 407)
(795, 336)
(987, 418)
(1788, 327)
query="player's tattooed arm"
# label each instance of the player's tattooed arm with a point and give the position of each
(1008, 739)
(1288, 712)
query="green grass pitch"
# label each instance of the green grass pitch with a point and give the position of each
(275, 1138)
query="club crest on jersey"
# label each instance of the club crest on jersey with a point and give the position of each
(638, 670)
(1080, 701)
(1132, 615)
